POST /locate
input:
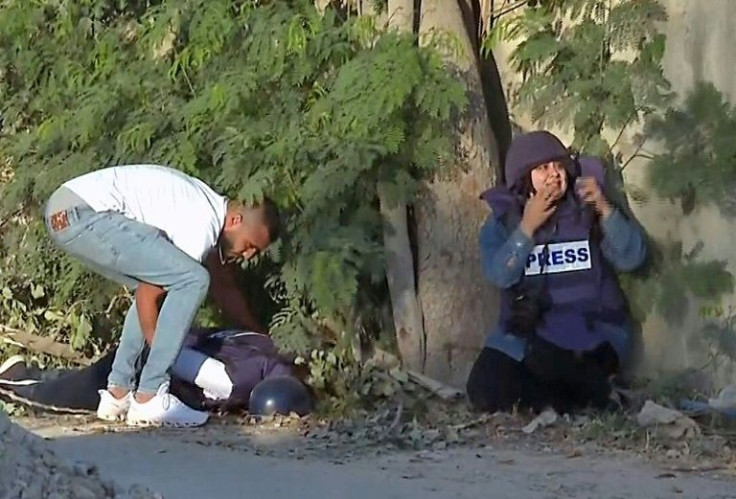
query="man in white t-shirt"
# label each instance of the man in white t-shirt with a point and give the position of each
(168, 236)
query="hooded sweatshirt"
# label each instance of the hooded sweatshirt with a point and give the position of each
(573, 256)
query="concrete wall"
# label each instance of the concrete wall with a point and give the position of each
(701, 38)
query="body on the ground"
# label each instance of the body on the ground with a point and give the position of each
(216, 370)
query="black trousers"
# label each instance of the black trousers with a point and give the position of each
(65, 388)
(78, 388)
(548, 376)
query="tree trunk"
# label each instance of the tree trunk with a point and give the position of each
(497, 109)
(401, 14)
(459, 306)
(498, 113)
(321, 5)
(407, 312)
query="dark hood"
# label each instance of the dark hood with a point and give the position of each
(526, 152)
(530, 150)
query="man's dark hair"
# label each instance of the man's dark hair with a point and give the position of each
(271, 218)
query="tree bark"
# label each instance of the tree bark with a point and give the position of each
(407, 312)
(497, 109)
(321, 5)
(401, 14)
(459, 306)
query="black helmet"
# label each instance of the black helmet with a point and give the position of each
(279, 395)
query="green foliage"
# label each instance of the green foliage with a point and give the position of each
(722, 337)
(28, 309)
(335, 378)
(671, 279)
(13, 410)
(345, 385)
(576, 73)
(718, 335)
(696, 166)
(253, 97)
(670, 388)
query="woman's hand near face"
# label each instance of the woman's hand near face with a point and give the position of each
(591, 194)
(538, 209)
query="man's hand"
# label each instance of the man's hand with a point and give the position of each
(590, 193)
(228, 297)
(538, 209)
(147, 301)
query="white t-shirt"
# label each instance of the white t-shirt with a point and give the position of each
(186, 209)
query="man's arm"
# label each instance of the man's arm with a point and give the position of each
(147, 300)
(228, 296)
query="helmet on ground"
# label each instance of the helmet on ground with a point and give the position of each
(280, 395)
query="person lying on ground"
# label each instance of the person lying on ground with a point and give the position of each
(166, 235)
(216, 370)
(552, 244)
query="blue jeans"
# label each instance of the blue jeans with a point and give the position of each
(130, 252)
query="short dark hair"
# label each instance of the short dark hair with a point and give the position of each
(271, 218)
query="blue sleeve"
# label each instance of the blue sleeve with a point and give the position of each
(624, 244)
(503, 256)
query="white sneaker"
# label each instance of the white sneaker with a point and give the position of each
(164, 409)
(15, 372)
(10, 363)
(111, 408)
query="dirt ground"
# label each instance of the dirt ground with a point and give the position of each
(226, 459)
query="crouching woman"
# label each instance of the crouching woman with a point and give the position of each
(552, 244)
